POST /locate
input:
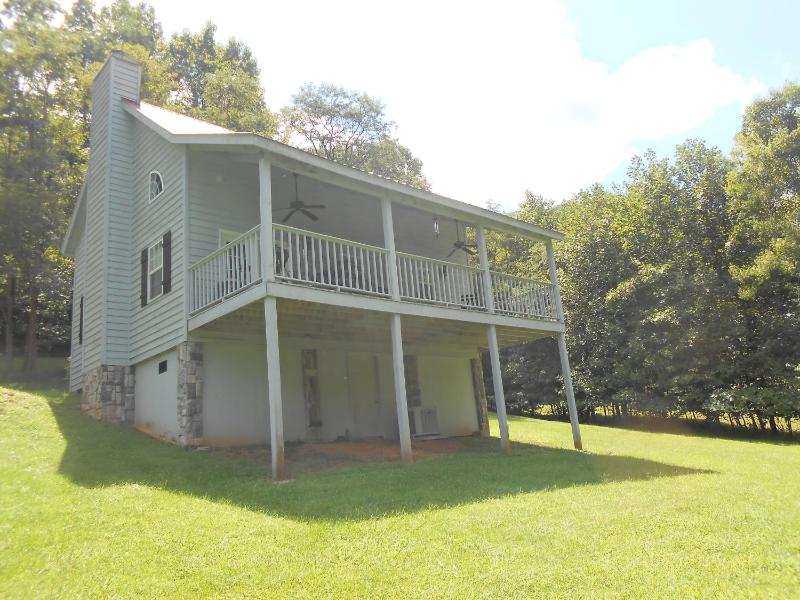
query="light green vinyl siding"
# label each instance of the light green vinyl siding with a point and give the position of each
(223, 194)
(160, 324)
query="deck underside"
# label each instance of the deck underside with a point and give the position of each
(311, 320)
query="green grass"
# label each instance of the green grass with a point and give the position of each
(95, 510)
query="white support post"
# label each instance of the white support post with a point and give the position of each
(388, 242)
(400, 390)
(274, 389)
(487, 276)
(499, 394)
(566, 373)
(551, 264)
(265, 209)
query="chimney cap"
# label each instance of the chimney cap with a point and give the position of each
(123, 55)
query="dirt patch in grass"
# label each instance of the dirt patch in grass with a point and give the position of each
(321, 456)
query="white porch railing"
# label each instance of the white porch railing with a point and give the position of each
(307, 258)
(226, 271)
(522, 297)
(440, 282)
(322, 260)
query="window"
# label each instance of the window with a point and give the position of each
(155, 270)
(162, 367)
(156, 185)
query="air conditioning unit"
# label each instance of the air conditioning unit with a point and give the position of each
(423, 420)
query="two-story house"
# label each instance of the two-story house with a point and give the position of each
(233, 290)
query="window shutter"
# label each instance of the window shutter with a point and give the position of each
(143, 296)
(80, 324)
(167, 277)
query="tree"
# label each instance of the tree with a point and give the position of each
(641, 269)
(350, 128)
(764, 250)
(41, 153)
(219, 83)
(236, 101)
(132, 24)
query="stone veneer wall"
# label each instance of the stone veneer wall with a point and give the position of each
(190, 393)
(108, 393)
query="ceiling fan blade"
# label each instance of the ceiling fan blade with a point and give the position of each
(282, 208)
(289, 216)
(469, 251)
(309, 214)
(314, 206)
(451, 252)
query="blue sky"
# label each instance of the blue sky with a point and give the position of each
(498, 97)
(757, 39)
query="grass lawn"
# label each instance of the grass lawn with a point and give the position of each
(90, 509)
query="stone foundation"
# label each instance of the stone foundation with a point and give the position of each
(190, 393)
(108, 393)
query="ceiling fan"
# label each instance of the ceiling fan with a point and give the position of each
(462, 245)
(298, 205)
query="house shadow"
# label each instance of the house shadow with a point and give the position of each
(686, 427)
(103, 454)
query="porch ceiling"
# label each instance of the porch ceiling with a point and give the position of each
(298, 319)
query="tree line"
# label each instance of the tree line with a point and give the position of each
(681, 286)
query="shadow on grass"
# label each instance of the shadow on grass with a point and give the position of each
(679, 426)
(102, 454)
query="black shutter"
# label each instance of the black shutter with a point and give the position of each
(143, 296)
(80, 323)
(166, 285)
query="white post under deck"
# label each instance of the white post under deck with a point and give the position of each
(400, 390)
(265, 209)
(271, 322)
(487, 276)
(499, 394)
(388, 242)
(573, 413)
(274, 388)
(494, 350)
(398, 364)
(562, 351)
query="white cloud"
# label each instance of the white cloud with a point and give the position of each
(494, 97)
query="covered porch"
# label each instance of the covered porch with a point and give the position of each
(325, 236)
(373, 265)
